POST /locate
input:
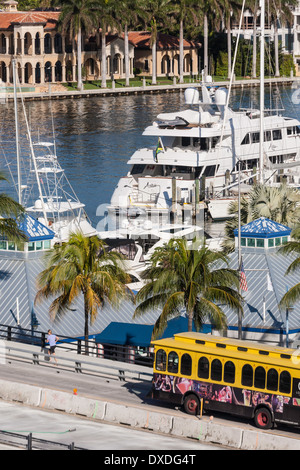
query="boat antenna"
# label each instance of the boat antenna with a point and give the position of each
(17, 131)
(31, 151)
(262, 90)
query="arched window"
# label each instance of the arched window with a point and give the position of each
(229, 372)
(186, 364)
(203, 368)
(247, 375)
(260, 377)
(285, 382)
(173, 362)
(216, 370)
(272, 379)
(161, 360)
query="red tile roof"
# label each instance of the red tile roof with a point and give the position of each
(47, 18)
(142, 40)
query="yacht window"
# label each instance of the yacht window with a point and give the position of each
(210, 170)
(293, 130)
(277, 134)
(246, 139)
(204, 143)
(196, 142)
(185, 141)
(137, 169)
(267, 136)
(214, 141)
(255, 137)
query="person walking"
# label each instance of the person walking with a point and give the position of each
(52, 340)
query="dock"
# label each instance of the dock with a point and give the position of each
(143, 89)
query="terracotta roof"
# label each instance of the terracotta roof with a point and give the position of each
(142, 39)
(47, 18)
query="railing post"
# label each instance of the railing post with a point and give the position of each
(9, 333)
(29, 441)
(79, 346)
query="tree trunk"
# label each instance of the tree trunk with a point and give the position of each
(103, 58)
(276, 46)
(254, 54)
(229, 46)
(126, 56)
(181, 57)
(154, 63)
(205, 47)
(79, 65)
(190, 320)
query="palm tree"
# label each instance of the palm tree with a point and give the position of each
(179, 277)
(10, 212)
(280, 204)
(128, 13)
(77, 16)
(158, 12)
(82, 266)
(106, 18)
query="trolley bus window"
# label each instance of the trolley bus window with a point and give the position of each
(203, 368)
(247, 375)
(186, 364)
(259, 377)
(161, 360)
(229, 372)
(216, 370)
(173, 362)
(285, 382)
(272, 380)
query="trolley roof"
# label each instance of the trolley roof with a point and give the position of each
(218, 345)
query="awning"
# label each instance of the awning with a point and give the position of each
(140, 335)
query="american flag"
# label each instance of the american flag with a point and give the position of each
(243, 280)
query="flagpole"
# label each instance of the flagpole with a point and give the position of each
(239, 248)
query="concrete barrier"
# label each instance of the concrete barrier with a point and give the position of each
(200, 429)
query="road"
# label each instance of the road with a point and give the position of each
(132, 393)
(87, 434)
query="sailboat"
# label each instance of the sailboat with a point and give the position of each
(43, 187)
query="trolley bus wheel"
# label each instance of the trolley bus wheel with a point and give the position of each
(191, 404)
(263, 418)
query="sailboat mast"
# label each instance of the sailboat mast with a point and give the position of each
(262, 90)
(17, 132)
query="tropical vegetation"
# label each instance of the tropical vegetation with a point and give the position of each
(209, 22)
(10, 214)
(280, 204)
(194, 280)
(82, 267)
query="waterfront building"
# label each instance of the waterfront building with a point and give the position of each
(44, 55)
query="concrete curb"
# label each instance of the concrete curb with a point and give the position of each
(203, 430)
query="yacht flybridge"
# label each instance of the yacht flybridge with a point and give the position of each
(204, 143)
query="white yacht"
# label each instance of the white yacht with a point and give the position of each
(201, 145)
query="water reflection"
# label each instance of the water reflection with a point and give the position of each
(96, 136)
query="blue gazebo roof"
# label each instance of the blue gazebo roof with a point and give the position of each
(35, 230)
(263, 228)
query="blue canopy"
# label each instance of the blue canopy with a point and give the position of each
(34, 229)
(140, 335)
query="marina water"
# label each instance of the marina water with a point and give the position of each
(96, 136)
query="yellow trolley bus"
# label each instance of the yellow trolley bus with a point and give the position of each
(204, 372)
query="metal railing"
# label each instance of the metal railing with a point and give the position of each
(127, 353)
(77, 364)
(28, 442)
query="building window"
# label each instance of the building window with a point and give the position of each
(260, 243)
(3, 245)
(251, 242)
(270, 242)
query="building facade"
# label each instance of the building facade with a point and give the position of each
(44, 55)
